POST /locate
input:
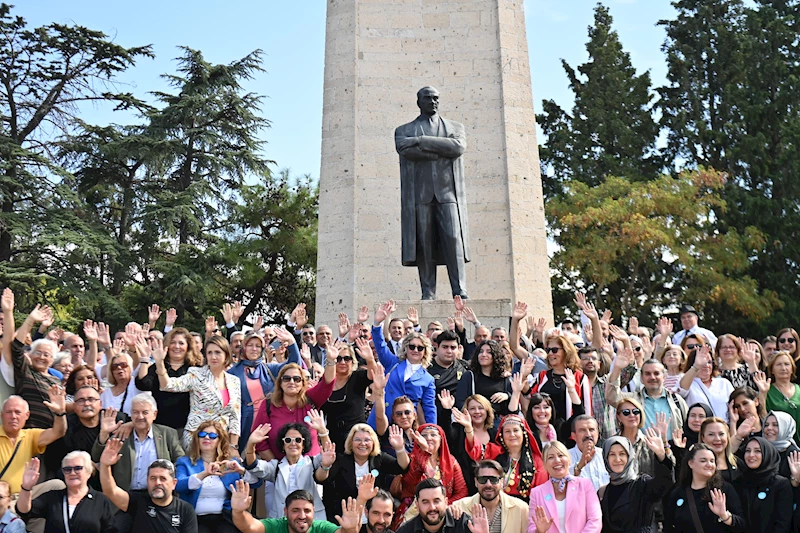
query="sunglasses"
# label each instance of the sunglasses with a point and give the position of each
(289, 440)
(204, 434)
(308, 334)
(343, 359)
(296, 379)
(115, 366)
(406, 412)
(693, 346)
(417, 347)
(627, 412)
(552, 349)
(71, 469)
(788, 340)
(483, 480)
(637, 349)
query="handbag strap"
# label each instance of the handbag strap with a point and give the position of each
(14, 454)
(66, 515)
(693, 509)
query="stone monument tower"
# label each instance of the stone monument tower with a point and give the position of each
(378, 54)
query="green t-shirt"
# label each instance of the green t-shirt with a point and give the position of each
(281, 525)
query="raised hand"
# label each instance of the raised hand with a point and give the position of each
(655, 442)
(48, 319)
(328, 454)
(540, 327)
(794, 466)
(746, 427)
(350, 520)
(58, 399)
(446, 399)
(89, 331)
(413, 316)
(520, 310)
(211, 324)
(240, 496)
(527, 366)
(172, 316)
(617, 332)
(259, 324)
(301, 319)
(678, 439)
(379, 378)
(543, 524)
(7, 300)
(284, 335)
(733, 415)
(703, 356)
(458, 319)
(31, 474)
(606, 316)
(633, 325)
(366, 488)
(364, 349)
(590, 311)
(363, 314)
(259, 434)
(344, 325)
(55, 334)
(40, 314)
(462, 419)
(103, 334)
(458, 303)
(238, 311)
(517, 383)
(317, 420)
(479, 522)
(586, 457)
(580, 300)
(662, 424)
(718, 503)
(108, 422)
(153, 314)
(623, 359)
(227, 313)
(762, 381)
(420, 440)
(118, 346)
(499, 397)
(382, 312)
(451, 323)
(569, 379)
(157, 350)
(396, 438)
(469, 314)
(664, 326)
(111, 452)
(305, 353)
(354, 332)
(130, 334)
(749, 353)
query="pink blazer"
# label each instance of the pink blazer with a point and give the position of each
(583, 507)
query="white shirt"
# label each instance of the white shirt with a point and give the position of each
(561, 509)
(708, 334)
(594, 471)
(107, 398)
(212, 494)
(410, 370)
(716, 396)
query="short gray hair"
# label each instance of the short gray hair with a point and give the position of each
(18, 398)
(44, 342)
(166, 464)
(60, 357)
(78, 454)
(145, 397)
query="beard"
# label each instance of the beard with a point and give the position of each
(436, 522)
(158, 493)
(376, 528)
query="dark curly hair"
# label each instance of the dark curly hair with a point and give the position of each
(70, 385)
(685, 479)
(499, 361)
(302, 429)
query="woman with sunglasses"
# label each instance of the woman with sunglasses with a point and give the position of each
(123, 388)
(715, 434)
(787, 340)
(701, 381)
(214, 394)
(567, 504)
(515, 448)
(78, 508)
(784, 394)
(297, 467)
(346, 406)
(205, 474)
(564, 381)
(256, 377)
(292, 401)
(361, 455)
(631, 420)
(628, 501)
(702, 500)
(430, 459)
(779, 430)
(181, 355)
(488, 376)
(766, 496)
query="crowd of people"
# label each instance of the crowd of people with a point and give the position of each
(379, 426)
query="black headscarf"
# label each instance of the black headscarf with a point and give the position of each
(770, 462)
(692, 437)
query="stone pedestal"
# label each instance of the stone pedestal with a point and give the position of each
(492, 313)
(378, 53)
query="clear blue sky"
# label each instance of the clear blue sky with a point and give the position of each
(292, 35)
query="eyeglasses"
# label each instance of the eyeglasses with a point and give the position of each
(406, 412)
(204, 434)
(308, 334)
(483, 480)
(296, 440)
(627, 412)
(430, 434)
(116, 366)
(343, 359)
(637, 349)
(296, 379)
(4, 496)
(39, 353)
(417, 347)
(579, 344)
(787, 340)
(589, 358)
(71, 469)
(693, 346)
(82, 401)
(361, 441)
(552, 349)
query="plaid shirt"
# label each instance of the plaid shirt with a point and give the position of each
(606, 415)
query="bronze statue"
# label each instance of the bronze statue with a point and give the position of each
(434, 205)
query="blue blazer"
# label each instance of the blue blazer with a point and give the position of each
(420, 387)
(184, 469)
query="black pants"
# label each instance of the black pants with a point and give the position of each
(216, 523)
(438, 227)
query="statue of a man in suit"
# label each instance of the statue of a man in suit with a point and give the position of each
(434, 206)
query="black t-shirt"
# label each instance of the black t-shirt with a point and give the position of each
(177, 517)
(487, 387)
(173, 407)
(446, 378)
(345, 407)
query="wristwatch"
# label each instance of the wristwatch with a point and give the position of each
(726, 517)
